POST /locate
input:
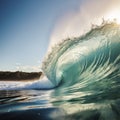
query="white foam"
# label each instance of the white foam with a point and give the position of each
(43, 83)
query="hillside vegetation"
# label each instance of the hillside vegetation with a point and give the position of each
(18, 75)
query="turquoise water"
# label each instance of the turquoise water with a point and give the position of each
(83, 81)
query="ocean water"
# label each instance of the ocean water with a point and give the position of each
(82, 81)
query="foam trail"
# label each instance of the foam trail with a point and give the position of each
(43, 83)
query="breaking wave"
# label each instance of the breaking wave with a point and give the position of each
(87, 72)
(91, 59)
(82, 63)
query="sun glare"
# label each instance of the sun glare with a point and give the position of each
(114, 15)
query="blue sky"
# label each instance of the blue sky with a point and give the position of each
(26, 27)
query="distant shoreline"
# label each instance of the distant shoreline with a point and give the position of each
(19, 76)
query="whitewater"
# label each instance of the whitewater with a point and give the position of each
(82, 77)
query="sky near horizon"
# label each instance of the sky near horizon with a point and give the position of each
(27, 27)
